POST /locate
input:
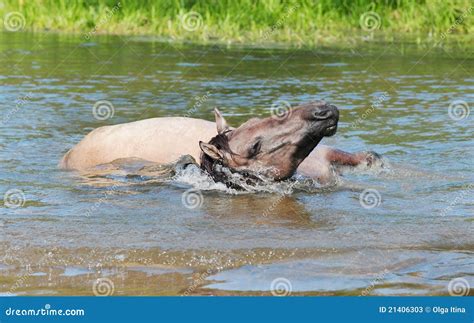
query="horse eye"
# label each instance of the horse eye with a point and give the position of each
(255, 148)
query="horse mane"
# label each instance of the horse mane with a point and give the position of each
(209, 165)
(220, 172)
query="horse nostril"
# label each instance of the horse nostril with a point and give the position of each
(322, 114)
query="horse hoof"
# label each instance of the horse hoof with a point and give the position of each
(373, 158)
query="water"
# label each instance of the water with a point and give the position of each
(135, 234)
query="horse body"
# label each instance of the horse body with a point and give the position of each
(164, 140)
(160, 140)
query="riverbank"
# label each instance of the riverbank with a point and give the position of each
(266, 23)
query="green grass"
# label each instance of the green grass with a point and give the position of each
(250, 21)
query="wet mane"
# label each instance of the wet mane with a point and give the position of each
(215, 168)
(209, 165)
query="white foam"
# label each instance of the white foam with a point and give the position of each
(193, 176)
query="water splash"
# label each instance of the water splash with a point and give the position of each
(133, 171)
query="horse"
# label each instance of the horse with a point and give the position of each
(274, 147)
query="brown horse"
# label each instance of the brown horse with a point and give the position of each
(272, 147)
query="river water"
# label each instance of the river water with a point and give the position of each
(65, 233)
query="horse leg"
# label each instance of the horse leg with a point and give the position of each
(342, 158)
(322, 162)
(316, 166)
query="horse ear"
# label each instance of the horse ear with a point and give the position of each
(221, 124)
(211, 151)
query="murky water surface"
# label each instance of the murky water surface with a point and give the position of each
(133, 232)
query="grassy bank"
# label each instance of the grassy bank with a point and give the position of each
(249, 21)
